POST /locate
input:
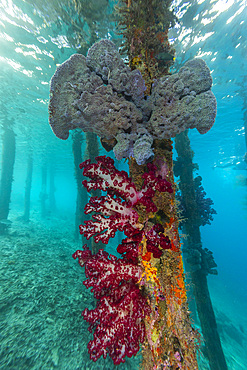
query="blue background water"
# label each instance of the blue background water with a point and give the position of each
(36, 36)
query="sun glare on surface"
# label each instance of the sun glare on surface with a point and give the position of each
(221, 5)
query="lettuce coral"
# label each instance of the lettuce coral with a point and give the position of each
(99, 93)
(117, 320)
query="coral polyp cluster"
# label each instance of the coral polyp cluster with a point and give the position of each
(117, 283)
(144, 25)
(117, 320)
(205, 211)
(116, 210)
(99, 93)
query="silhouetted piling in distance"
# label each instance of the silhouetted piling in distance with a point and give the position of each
(8, 160)
(43, 193)
(243, 95)
(52, 189)
(28, 187)
(81, 198)
(245, 128)
(198, 278)
(92, 151)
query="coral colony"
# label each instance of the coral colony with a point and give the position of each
(117, 319)
(204, 205)
(141, 296)
(101, 94)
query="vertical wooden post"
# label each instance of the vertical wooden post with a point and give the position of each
(170, 340)
(43, 193)
(81, 198)
(198, 277)
(92, 150)
(8, 160)
(28, 188)
(52, 188)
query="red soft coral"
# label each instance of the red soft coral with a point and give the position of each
(116, 214)
(104, 271)
(118, 318)
(105, 176)
(118, 322)
(156, 240)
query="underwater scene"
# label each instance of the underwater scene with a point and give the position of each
(123, 184)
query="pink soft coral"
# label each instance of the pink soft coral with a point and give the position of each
(115, 213)
(104, 271)
(118, 318)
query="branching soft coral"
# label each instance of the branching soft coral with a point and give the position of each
(118, 323)
(118, 318)
(115, 213)
(105, 176)
(105, 272)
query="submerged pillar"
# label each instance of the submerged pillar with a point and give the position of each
(81, 198)
(92, 151)
(8, 160)
(43, 193)
(170, 342)
(199, 267)
(28, 187)
(52, 189)
(101, 94)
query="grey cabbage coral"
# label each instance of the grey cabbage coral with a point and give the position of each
(99, 93)
(80, 98)
(182, 101)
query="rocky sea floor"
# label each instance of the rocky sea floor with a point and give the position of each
(42, 297)
(41, 300)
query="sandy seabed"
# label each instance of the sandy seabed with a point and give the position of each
(42, 297)
(41, 300)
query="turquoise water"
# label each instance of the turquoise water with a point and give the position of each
(42, 294)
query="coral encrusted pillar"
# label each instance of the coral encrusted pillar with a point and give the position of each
(170, 339)
(213, 348)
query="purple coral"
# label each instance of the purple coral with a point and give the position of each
(204, 205)
(79, 98)
(104, 59)
(182, 101)
(101, 94)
